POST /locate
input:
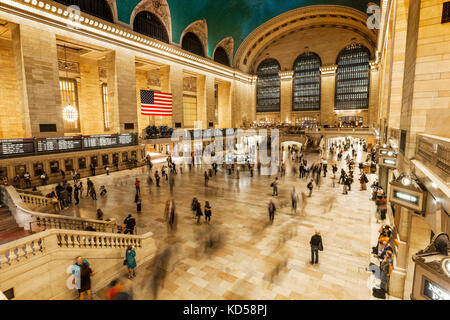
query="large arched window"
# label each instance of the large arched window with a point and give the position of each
(192, 44)
(352, 79)
(221, 56)
(150, 25)
(96, 8)
(306, 87)
(268, 86)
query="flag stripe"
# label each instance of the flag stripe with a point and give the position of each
(156, 103)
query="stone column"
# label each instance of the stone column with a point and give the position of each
(90, 98)
(141, 84)
(397, 281)
(172, 82)
(202, 114)
(210, 101)
(327, 94)
(373, 96)
(286, 95)
(224, 101)
(14, 122)
(165, 87)
(122, 90)
(38, 79)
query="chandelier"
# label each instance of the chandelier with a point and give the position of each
(70, 114)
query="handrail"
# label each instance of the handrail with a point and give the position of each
(40, 243)
(434, 151)
(25, 217)
(35, 199)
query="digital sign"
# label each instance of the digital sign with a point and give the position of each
(406, 197)
(65, 144)
(390, 162)
(14, 147)
(434, 292)
(108, 141)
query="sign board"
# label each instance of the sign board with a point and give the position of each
(57, 145)
(16, 147)
(407, 197)
(388, 162)
(434, 292)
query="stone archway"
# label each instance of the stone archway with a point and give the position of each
(200, 29)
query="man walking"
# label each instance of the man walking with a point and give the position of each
(316, 246)
(310, 187)
(274, 185)
(272, 210)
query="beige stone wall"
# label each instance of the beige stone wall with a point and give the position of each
(141, 84)
(12, 123)
(38, 76)
(90, 98)
(224, 105)
(431, 99)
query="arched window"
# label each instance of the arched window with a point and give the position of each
(148, 24)
(192, 44)
(96, 8)
(352, 79)
(221, 56)
(268, 86)
(306, 87)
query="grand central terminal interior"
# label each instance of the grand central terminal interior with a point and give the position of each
(224, 150)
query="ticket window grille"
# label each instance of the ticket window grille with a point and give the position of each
(268, 90)
(307, 83)
(69, 99)
(106, 109)
(353, 78)
(81, 163)
(189, 111)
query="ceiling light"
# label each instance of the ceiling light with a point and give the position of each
(406, 182)
(70, 114)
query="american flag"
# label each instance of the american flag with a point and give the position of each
(156, 103)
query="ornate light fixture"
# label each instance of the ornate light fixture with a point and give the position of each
(70, 114)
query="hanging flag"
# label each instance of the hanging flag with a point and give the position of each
(156, 103)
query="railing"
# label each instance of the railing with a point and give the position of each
(21, 250)
(35, 200)
(26, 218)
(435, 151)
(52, 252)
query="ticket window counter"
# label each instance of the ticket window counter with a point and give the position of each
(115, 160)
(3, 173)
(82, 163)
(124, 157)
(38, 169)
(105, 160)
(68, 164)
(54, 167)
(20, 170)
(94, 161)
(133, 156)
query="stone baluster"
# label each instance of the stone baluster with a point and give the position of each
(78, 241)
(90, 241)
(25, 251)
(59, 238)
(41, 245)
(72, 240)
(66, 240)
(33, 249)
(16, 253)
(8, 257)
(95, 241)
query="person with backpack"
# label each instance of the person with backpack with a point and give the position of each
(208, 212)
(316, 246)
(130, 224)
(310, 187)
(363, 181)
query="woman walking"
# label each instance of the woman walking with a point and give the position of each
(85, 276)
(198, 212)
(130, 256)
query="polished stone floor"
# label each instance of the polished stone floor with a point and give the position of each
(249, 259)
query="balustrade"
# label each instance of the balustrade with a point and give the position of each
(35, 200)
(17, 251)
(435, 151)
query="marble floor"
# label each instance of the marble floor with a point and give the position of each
(249, 259)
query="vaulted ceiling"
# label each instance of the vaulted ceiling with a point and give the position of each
(236, 18)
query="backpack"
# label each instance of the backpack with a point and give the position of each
(365, 179)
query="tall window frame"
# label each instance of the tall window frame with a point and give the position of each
(106, 109)
(306, 85)
(268, 86)
(221, 56)
(353, 78)
(68, 88)
(149, 24)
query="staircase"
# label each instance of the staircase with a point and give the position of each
(9, 230)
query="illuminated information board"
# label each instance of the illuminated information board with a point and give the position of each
(55, 145)
(16, 147)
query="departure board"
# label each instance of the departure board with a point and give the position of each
(100, 141)
(125, 139)
(64, 144)
(16, 147)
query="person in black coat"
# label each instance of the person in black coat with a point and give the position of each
(130, 224)
(272, 210)
(316, 246)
